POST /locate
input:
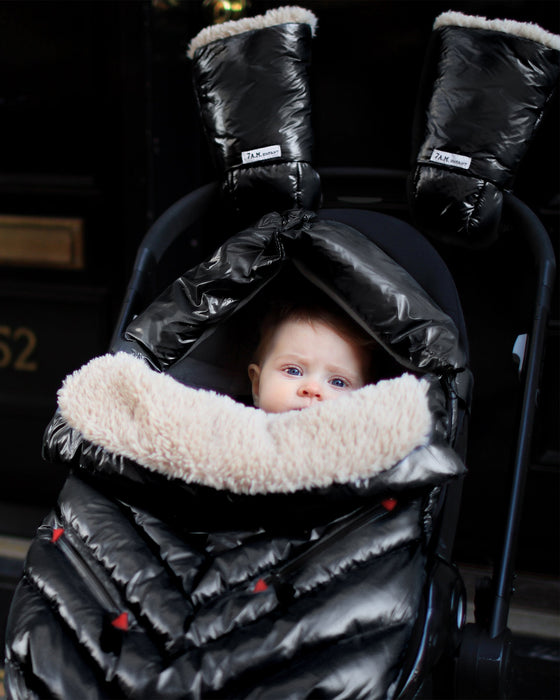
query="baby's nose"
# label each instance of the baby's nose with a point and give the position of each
(311, 389)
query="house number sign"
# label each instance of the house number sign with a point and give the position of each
(17, 349)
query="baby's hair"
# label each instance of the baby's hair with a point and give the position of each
(311, 311)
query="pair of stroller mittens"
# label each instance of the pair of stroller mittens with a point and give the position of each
(484, 89)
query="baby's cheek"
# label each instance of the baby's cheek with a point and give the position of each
(334, 394)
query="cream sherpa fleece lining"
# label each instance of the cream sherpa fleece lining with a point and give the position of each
(119, 403)
(278, 15)
(527, 30)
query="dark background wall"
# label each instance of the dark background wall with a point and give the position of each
(73, 106)
(98, 124)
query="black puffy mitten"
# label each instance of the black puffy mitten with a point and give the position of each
(252, 85)
(485, 86)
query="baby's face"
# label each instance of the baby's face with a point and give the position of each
(306, 363)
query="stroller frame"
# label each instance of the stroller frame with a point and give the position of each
(484, 661)
(480, 651)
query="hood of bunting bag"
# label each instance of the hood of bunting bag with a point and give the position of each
(377, 292)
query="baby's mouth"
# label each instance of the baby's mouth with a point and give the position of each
(302, 408)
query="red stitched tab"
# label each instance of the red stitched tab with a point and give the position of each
(260, 586)
(121, 622)
(389, 503)
(57, 533)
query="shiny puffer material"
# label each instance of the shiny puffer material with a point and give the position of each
(252, 87)
(485, 87)
(336, 258)
(119, 601)
(143, 583)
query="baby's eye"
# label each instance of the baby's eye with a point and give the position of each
(340, 383)
(293, 371)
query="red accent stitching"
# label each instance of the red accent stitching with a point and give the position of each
(260, 586)
(389, 503)
(57, 533)
(121, 622)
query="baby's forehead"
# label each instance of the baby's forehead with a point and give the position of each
(285, 317)
(295, 328)
(309, 337)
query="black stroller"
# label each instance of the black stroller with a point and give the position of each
(429, 655)
(144, 582)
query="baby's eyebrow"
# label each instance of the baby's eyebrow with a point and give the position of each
(292, 356)
(345, 373)
(339, 369)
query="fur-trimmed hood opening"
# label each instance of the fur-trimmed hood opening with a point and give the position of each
(118, 403)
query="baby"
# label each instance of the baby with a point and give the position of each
(308, 353)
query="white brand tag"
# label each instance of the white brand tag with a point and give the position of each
(264, 153)
(453, 159)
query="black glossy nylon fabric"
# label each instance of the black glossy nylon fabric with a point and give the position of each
(336, 257)
(482, 97)
(138, 585)
(253, 93)
(199, 625)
